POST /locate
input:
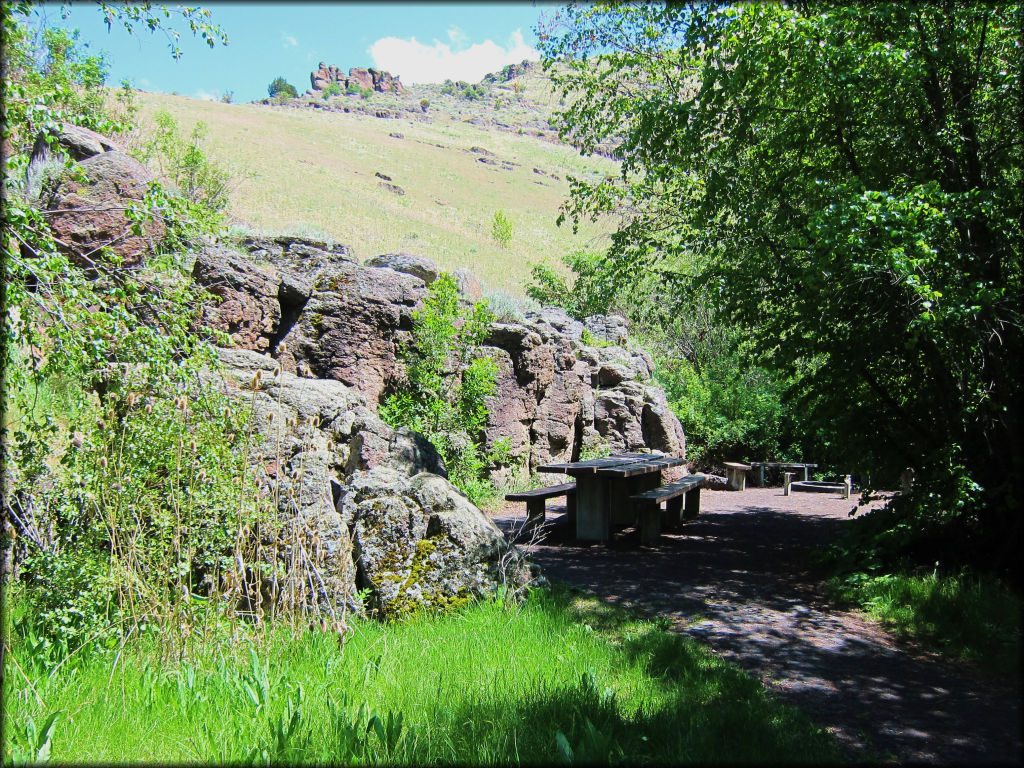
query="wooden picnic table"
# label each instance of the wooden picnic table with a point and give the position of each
(603, 488)
(760, 465)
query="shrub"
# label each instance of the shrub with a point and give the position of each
(445, 348)
(501, 229)
(227, 97)
(201, 183)
(509, 309)
(281, 87)
(424, 104)
(333, 89)
(593, 292)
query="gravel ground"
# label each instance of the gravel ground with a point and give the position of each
(739, 580)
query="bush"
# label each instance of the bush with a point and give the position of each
(501, 229)
(593, 291)
(281, 87)
(450, 381)
(509, 309)
(424, 104)
(202, 185)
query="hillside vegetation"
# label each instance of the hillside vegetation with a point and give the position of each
(301, 170)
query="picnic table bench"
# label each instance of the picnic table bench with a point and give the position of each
(535, 501)
(647, 505)
(760, 465)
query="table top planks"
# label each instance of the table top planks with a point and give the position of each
(616, 462)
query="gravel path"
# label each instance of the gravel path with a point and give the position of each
(739, 580)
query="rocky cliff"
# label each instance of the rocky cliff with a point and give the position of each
(564, 387)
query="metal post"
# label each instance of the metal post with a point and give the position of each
(788, 478)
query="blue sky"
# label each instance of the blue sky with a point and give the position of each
(421, 42)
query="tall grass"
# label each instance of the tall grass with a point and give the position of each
(559, 678)
(962, 616)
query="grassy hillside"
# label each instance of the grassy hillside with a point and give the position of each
(313, 171)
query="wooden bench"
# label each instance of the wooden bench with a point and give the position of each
(535, 500)
(647, 505)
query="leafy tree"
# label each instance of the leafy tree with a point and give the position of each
(281, 87)
(846, 181)
(450, 381)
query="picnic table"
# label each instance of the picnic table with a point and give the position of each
(760, 465)
(604, 487)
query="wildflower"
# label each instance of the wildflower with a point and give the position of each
(78, 439)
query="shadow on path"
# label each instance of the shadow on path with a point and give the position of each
(738, 579)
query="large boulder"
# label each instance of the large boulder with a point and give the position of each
(87, 206)
(420, 266)
(362, 509)
(248, 298)
(419, 542)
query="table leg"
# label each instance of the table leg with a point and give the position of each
(619, 491)
(591, 508)
(760, 476)
(672, 518)
(692, 508)
(650, 522)
(570, 507)
(805, 473)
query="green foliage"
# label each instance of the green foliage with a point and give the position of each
(463, 90)
(424, 105)
(592, 292)
(729, 406)
(202, 186)
(449, 384)
(845, 180)
(123, 476)
(501, 229)
(963, 616)
(227, 97)
(281, 87)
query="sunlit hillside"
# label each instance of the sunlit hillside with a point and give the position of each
(319, 172)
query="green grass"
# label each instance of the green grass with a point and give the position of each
(561, 676)
(965, 617)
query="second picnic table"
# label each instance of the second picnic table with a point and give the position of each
(760, 465)
(604, 487)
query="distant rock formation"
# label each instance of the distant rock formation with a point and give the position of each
(508, 72)
(367, 79)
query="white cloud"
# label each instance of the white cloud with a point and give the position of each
(206, 95)
(416, 62)
(289, 40)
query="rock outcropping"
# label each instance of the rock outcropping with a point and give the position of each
(564, 387)
(365, 511)
(364, 78)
